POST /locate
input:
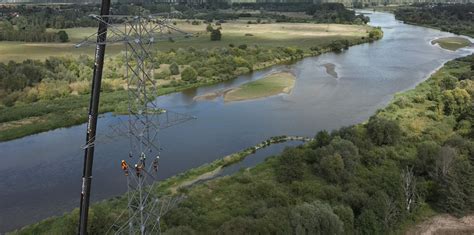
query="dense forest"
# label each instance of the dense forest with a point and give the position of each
(454, 18)
(410, 160)
(334, 13)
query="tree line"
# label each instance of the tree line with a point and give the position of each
(454, 18)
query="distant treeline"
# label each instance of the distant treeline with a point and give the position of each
(454, 18)
(30, 23)
(334, 13)
(321, 13)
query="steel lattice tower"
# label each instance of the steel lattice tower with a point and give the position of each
(139, 34)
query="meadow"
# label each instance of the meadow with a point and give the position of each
(304, 35)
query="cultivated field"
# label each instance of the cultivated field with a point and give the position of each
(303, 35)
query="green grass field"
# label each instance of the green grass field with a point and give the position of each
(452, 43)
(302, 35)
(271, 85)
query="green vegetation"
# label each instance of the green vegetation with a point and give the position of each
(189, 74)
(174, 69)
(36, 96)
(270, 85)
(414, 157)
(334, 13)
(454, 18)
(216, 35)
(269, 35)
(21, 30)
(452, 43)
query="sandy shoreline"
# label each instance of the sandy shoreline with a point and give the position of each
(232, 94)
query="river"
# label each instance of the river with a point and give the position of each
(40, 175)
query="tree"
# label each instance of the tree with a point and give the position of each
(383, 131)
(409, 188)
(290, 166)
(456, 101)
(315, 218)
(63, 37)
(332, 167)
(321, 139)
(216, 35)
(174, 69)
(189, 74)
(426, 158)
(346, 215)
(445, 160)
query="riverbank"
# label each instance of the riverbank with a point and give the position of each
(454, 18)
(172, 186)
(30, 118)
(357, 172)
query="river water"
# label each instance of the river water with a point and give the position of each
(40, 175)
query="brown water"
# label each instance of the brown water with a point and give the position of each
(40, 175)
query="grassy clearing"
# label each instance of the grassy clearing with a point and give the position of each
(303, 35)
(452, 43)
(271, 85)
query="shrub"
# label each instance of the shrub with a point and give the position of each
(209, 28)
(383, 131)
(63, 37)
(243, 46)
(315, 218)
(189, 74)
(174, 69)
(216, 35)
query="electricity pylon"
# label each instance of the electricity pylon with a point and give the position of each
(139, 34)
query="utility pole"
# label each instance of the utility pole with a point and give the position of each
(92, 122)
(139, 33)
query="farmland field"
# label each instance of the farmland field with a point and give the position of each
(303, 35)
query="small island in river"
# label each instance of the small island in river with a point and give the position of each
(331, 69)
(452, 43)
(272, 84)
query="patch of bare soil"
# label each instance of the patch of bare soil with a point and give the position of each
(445, 225)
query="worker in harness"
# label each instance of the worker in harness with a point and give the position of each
(155, 163)
(138, 169)
(125, 167)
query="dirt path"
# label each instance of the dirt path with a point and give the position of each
(445, 225)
